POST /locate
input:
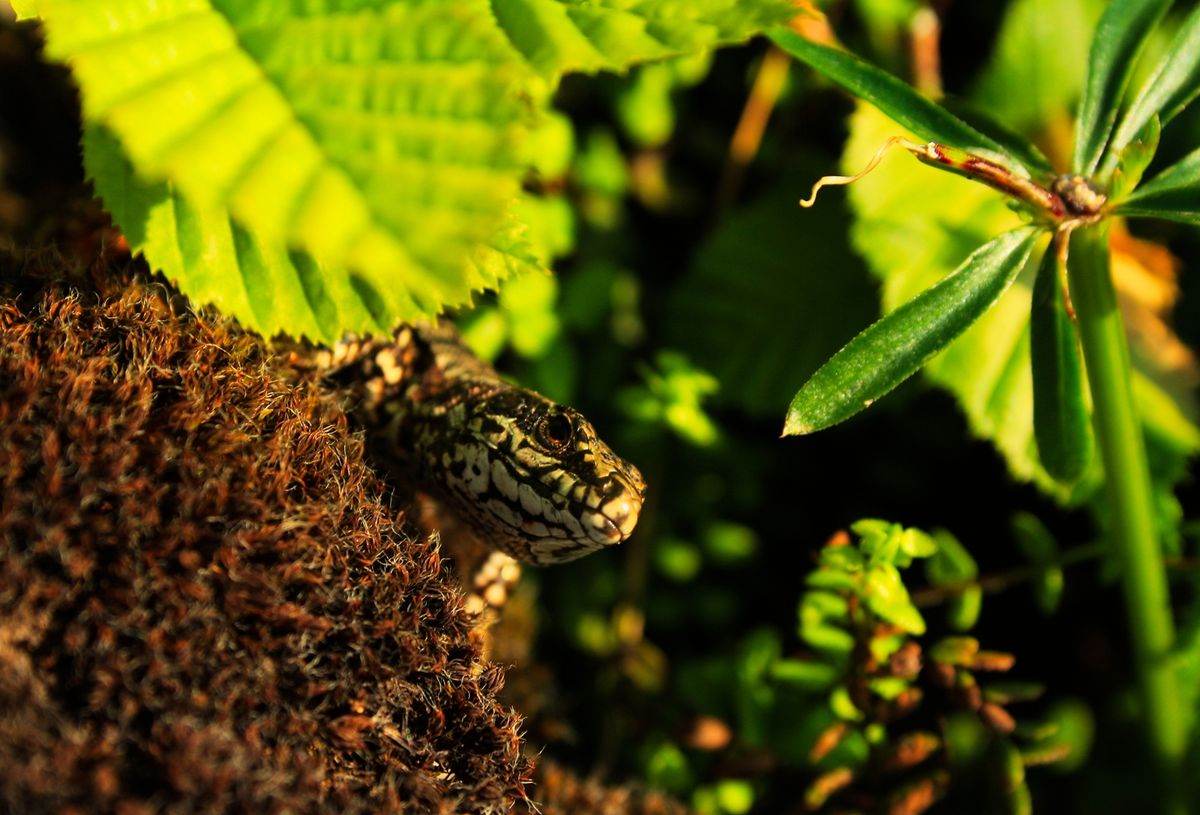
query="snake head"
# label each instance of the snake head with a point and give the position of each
(536, 479)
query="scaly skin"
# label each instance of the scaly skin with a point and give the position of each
(532, 478)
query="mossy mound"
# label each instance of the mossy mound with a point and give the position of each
(206, 603)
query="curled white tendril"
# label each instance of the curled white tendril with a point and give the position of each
(841, 180)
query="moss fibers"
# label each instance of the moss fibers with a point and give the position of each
(206, 603)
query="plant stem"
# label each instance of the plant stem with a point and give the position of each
(1133, 526)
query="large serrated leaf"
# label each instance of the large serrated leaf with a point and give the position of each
(268, 287)
(381, 139)
(559, 36)
(1120, 35)
(895, 347)
(382, 142)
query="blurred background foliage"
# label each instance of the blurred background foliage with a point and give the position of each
(692, 298)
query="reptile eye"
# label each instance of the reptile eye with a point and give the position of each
(556, 429)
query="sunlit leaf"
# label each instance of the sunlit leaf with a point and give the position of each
(894, 348)
(1120, 35)
(806, 675)
(1173, 194)
(560, 36)
(1174, 83)
(224, 265)
(1133, 159)
(381, 142)
(888, 598)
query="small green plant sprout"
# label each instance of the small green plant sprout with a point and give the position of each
(877, 751)
(1068, 216)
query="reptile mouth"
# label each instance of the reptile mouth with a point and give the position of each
(616, 520)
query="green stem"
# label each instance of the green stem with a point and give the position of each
(1134, 530)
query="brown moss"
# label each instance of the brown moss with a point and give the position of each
(206, 603)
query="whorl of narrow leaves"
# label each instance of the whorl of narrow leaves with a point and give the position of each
(904, 105)
(1120, 37)
(319, 167)
(1173, 194)
(1172, 85)
(895, 347)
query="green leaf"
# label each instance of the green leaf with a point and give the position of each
(1173, 194)
(917, 544)
(1061, 423)
(644, 106)
(674, 398)
(1008, 776)
(560, 36)
(830, 580)
(1120, 35)
(953, 564)
(1174, 83)
(223, 264)
(928, 120)
(803, 674)
(1012, 142)
(1074, 732)
(1133, 159)
(913, 227)
(1041, 550)
(765, 302)
(666, 767)
(1186, 657)
(896, 346)
(887, 597)
(382, 142)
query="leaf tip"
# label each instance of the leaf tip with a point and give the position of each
(795, 426)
